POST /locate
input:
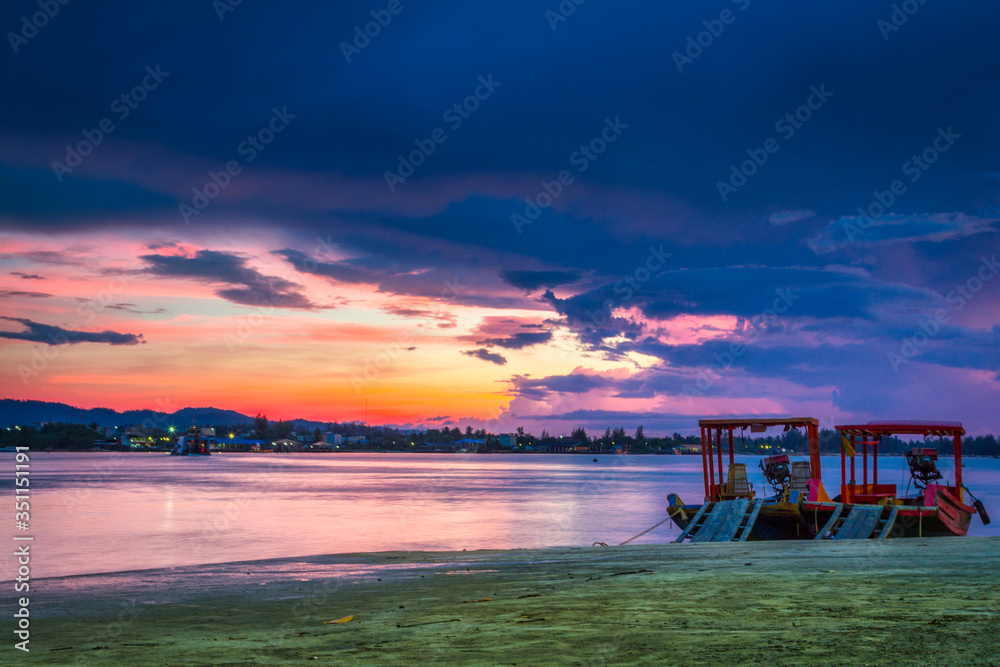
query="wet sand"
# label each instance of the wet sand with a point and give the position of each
(898, 602)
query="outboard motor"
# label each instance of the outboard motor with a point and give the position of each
(776, 472)
(923, 468)
(980, 507)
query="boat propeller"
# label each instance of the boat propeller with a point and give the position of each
(980, 507)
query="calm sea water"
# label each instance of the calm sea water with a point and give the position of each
(108, 512)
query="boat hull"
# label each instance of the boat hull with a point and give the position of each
(948, 517)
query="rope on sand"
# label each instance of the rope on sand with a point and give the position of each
(644, 532)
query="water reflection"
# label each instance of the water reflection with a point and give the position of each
(115, 512)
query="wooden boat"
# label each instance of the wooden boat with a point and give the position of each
(935, 508)
(800, 507)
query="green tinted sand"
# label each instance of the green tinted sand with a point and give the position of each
(893, 602)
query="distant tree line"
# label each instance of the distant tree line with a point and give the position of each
(67, 436)
(53, 435)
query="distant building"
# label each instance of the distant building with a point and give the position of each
(284, 445)
(236, 444)
(451, 447)
(334, 438)
(557, 447)
(135, 441)
(508, 440)
(321, 446)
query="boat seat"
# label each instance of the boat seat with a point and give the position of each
(738, 485)
(800, 476)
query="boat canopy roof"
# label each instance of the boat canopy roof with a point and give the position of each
(794, 422)
(904, 428)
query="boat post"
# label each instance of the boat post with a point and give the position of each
(732, 458)
(718, 442)
(864, 453)
(705, 462)
(843, 471)
(875, 459)
(958, 467)
(812, 432)
(854, 446)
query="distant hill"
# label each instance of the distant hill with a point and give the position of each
(16, 411)
(13, 411)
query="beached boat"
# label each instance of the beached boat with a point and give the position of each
(799, 507)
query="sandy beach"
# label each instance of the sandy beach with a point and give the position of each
(893, 602)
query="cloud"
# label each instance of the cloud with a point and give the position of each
(519, 341)
(347, 271)
(27, 276)
(52, 335)
(444, 320)
(896, 228)
(406, 272)
(574, 383)
(132, 308)
(786, 217)
(533, 280)
(247, 285)
(486, 355)
(6, 294)
(160, 245)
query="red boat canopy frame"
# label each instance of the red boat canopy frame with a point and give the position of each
(869, 434)
(811, 425)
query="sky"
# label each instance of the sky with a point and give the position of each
(530, 213)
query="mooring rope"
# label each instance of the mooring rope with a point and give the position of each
(645, 531)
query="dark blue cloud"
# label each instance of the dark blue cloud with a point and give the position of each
(53, 335)
(520, 340)
(533, 280)
(241, 283)
(486, 355)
